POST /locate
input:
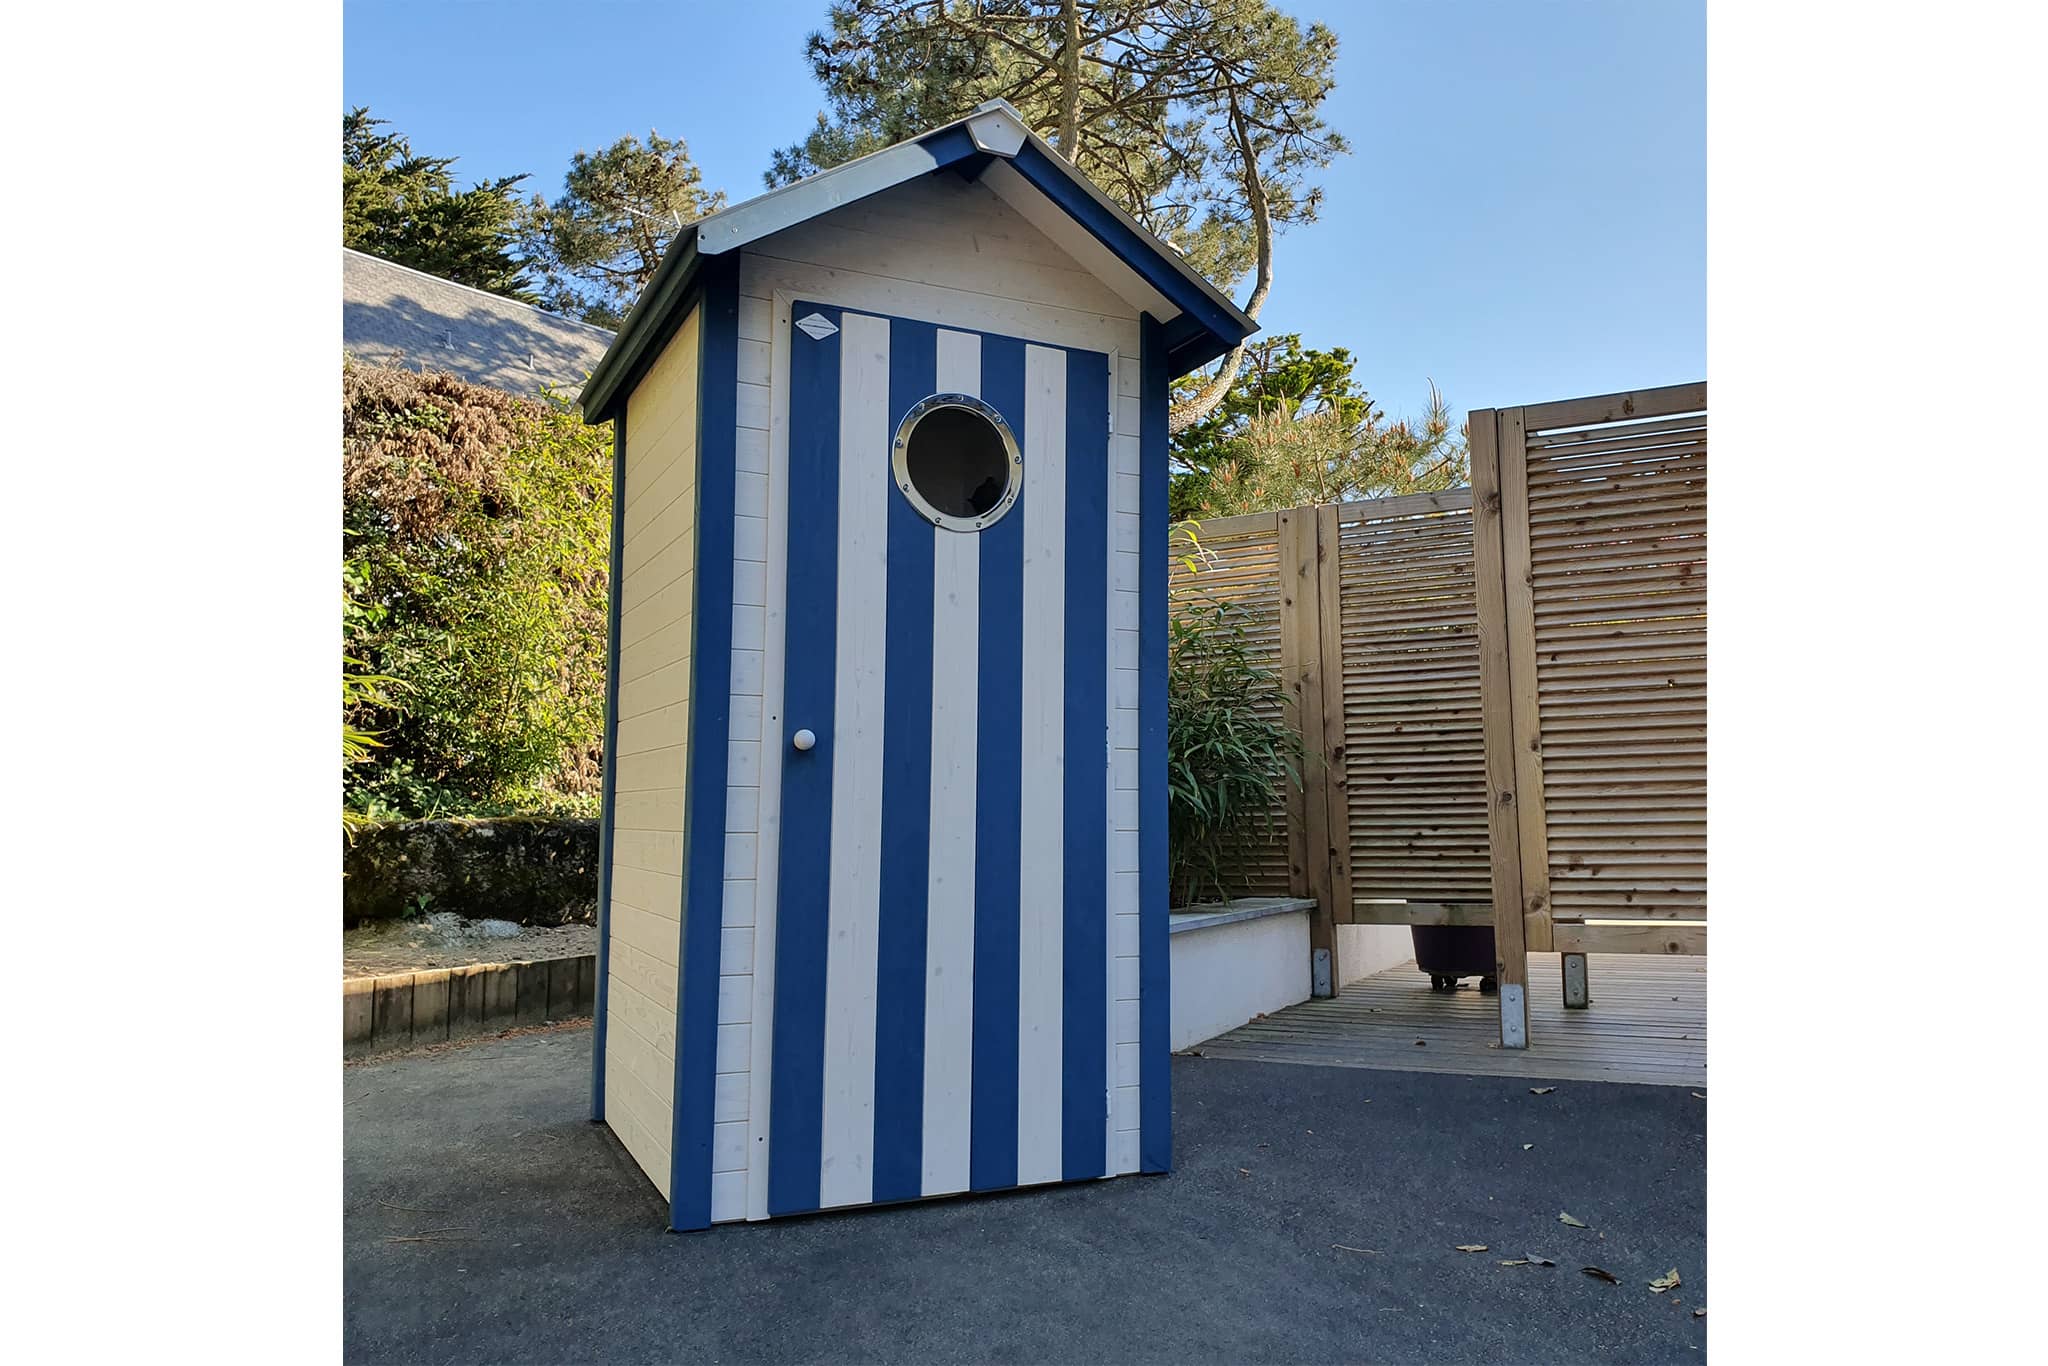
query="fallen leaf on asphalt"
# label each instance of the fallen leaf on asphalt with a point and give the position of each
(1667, 1281)
(1516, 1261)
(1700, 1312)
(1471, 1247)
(1575, 1223)
(1527, 1146)
(1541, 1090)
(1422, 1043)
(1244, 1171)
(1601, 1274)
(1538, 1259)
(1342, 1248)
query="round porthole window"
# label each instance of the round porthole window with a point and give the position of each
(957, 462)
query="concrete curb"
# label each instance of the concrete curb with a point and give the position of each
(435, 1005)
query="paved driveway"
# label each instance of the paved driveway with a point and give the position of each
(486, 1220)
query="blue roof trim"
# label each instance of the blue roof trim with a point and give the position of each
(1060, 184)
(1206, 326)
(950, 144)
(654, 318)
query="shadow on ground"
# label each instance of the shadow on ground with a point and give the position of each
(537, 1240)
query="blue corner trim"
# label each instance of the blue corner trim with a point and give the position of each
(1155, 1079)
(613, 582)
(710, 722)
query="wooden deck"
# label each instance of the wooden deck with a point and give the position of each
(1647, 1024)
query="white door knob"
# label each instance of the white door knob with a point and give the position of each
(803, 739)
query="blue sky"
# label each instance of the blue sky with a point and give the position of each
(1522, 216)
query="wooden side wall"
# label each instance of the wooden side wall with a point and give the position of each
(658, 563)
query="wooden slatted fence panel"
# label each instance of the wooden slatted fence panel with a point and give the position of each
(1605, 527)
(1237, 560)
(1414, 766)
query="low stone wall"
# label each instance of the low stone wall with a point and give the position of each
(414, 1009)
(535, 870)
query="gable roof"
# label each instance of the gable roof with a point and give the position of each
(991, 145)
(395, 315)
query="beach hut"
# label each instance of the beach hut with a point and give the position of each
(883, 903)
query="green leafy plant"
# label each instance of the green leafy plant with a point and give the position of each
(1298, 429)
(1230, 752)
(475, 548)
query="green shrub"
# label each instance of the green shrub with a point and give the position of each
(474, 555)
(1229, 750)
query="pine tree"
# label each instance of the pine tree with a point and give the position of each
(404, 207)
(1298, 430)
(1201, 117)
(596, 247)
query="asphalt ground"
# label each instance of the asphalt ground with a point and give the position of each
(1313, 1215)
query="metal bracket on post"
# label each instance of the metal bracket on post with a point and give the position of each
(1514, 1016)
(1577, 992)
(1319, 973)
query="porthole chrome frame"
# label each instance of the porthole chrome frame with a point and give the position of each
(899, 462)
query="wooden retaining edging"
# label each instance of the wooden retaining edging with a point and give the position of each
(435, 1005)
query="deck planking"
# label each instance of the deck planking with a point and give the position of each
(1647, 1025)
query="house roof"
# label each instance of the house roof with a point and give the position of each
(991, 145)
(394, 315)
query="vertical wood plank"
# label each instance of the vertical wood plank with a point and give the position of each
(1519, 580)
(500, 996)
(391, 1013)
(357, 997)
(1301, 649)
(586, 985)
(466, 1001)
(1334, 768)
(430, 1006)
(562, 1002)
(1496, 706)
(1295, 572)
(531, 993)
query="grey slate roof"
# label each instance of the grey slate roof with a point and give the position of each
(394, 315)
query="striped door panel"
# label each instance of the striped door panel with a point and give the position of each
(943, 978)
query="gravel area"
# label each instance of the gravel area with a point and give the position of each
(446, 940)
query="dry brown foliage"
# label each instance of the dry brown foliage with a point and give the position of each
(410, 440)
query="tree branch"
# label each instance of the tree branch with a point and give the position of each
(1204, 401)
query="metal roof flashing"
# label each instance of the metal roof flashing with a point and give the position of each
(1201, 323)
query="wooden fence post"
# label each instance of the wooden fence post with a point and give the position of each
(1496, 707)
(1520, 583)
(1336, 784)
(1301, 666)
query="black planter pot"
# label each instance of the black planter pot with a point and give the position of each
(1449, 952)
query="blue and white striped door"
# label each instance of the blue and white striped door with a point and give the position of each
(942, 990)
